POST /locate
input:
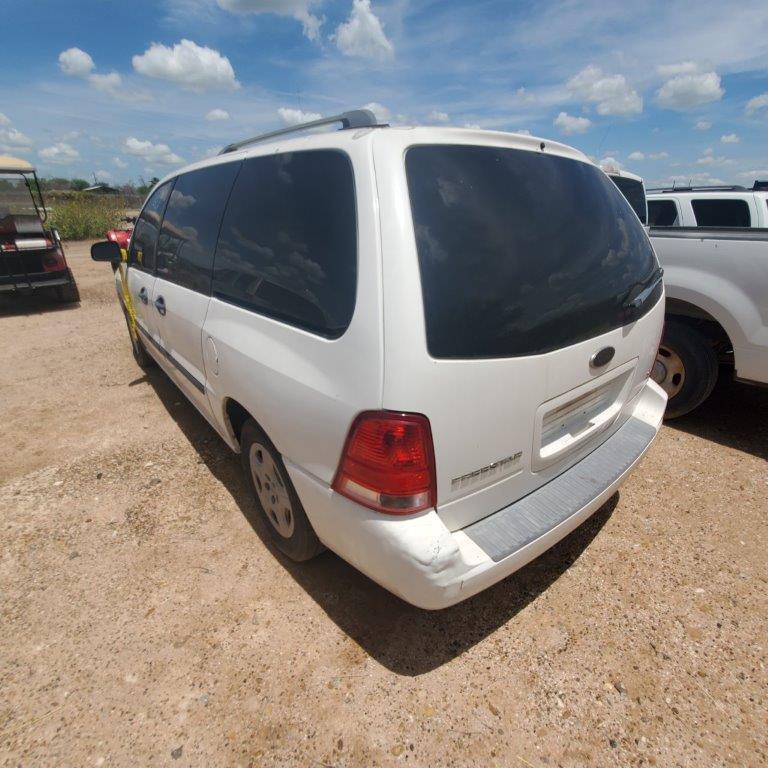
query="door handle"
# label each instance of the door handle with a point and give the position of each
(143, 296)
(160, 305)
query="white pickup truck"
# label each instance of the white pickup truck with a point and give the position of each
(713, 245)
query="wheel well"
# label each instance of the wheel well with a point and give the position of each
(690, 314)
(237, 415)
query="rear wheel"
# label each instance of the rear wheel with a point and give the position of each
(287, 523)
(686, 368)
(69, 293)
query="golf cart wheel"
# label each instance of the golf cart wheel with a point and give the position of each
(276, 499)
(685, 368)
(69, 293)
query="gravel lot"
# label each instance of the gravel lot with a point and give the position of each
(145, 621)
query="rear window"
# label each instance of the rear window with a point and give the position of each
(721, 213)
(662, 213)
(634, 191)
(288, 241)
(521, 252)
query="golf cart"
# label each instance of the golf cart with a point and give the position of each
(31, 255)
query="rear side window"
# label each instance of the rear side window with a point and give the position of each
(288, 242)
(191, 225)
(521, 252)
(634, 191)
(146, 230)
(662, 213)
(721, 213)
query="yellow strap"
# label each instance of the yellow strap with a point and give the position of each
(122, 268)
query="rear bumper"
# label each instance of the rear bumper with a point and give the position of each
(423, 562)
(34, 281)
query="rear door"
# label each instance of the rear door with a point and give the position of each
(182, 288)
(142, 260)
(517, 271)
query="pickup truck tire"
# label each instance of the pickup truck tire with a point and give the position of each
(692, 368)
(276, 499)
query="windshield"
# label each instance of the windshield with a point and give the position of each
(634, 191)
(16, 197)
(521, 252)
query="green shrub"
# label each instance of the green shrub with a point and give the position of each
(81, 216)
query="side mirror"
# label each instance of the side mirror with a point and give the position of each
(106, 250)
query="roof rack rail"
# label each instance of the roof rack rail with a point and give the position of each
(760, 186)
(356, 118)
(703, 188)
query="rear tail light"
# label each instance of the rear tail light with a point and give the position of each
(55, 260)
(388, 463)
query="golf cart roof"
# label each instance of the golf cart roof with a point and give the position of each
(14, 165)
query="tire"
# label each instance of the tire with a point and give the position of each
(686, 368)
(140, 355)
(276, 498)
(68, 294)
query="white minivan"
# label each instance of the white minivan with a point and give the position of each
(430, 346)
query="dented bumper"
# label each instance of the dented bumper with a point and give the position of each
(420, 560)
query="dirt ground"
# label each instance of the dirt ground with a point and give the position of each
(145, 621)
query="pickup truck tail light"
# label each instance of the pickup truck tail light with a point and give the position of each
(388, 463)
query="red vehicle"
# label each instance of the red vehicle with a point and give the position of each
(31, 254)
(122, 236)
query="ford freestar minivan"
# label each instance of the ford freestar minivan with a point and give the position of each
(430, 346)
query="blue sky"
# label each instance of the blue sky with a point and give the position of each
(130, 90)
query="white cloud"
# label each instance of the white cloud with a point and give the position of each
(612, 94)
(610, 164)
(754, 174)
(688, 89)
(672, 70)
(187, 64)
(103, 176)
(4, 120)
(649, 156)
(217, 114)
(362, 34)
(11, 139)
(381, 112)
(298, 9)
(729, 138)
(151, 153)
(119, 162)
(108, 83)
(758, 103)
(522, 132)
(436, 116)
(59, 153)
(569, 124)
(295, 116)
(703, 125)
(709, 158)
(75, 62)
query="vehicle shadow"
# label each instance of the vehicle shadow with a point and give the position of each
(735, 415)
(34, 304)
(407, 640)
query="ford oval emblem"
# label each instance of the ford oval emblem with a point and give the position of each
(602, 357)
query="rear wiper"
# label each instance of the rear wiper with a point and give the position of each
(648, 285)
